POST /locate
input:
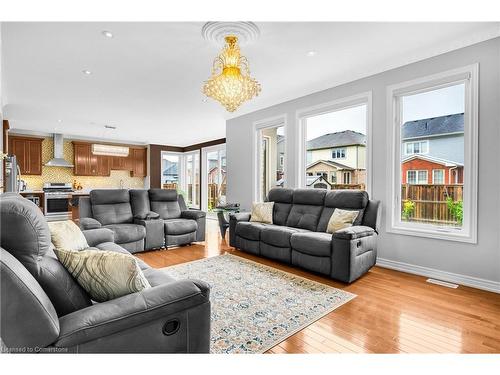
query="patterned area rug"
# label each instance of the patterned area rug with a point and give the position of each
(255, 307)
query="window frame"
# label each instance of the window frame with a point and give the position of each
(444, 176)
(342, 151)
(406, 143)
(258, 126)
(364, 98)
(469, 76)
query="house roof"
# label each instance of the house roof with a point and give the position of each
(433, 126)
(343, 138)
(170, 169)
(310, 180)
(330, 163)
(445, 162)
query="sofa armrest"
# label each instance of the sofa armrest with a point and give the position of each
(133, 316)
(200, 217)
(155, 234)
(89, 223)
(193, 214)
(95, 237)
(150, 215)
(234, 218)
(351, 233)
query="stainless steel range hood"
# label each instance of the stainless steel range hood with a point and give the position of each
(58, 160)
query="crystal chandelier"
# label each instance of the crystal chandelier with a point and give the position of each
(230, 82)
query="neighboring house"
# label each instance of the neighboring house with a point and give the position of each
(339, 157)
(318, 182)
(170, 172)
(432, 150)
(280, 161)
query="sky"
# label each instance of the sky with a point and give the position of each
(435, 103)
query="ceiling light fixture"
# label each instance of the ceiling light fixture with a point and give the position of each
(86, 72)
(107, 34)
(312, 53)
(230, 82)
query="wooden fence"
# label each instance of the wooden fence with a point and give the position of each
(348, 186)
(430, 202)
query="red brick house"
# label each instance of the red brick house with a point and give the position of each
(422, 169)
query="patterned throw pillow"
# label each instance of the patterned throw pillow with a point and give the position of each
(262, 212)
(67, 235)
(341, 219)
(105, 275)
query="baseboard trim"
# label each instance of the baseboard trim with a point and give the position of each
(474, 282)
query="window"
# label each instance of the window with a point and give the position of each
(338, 153)
(335, 136)
(416, 177)
(270, 156)
(420, 147)
(170, 170)
(434, 180)
(192, 180)
(438, 176)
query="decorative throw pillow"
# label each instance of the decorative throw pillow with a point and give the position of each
(341, 219)
(105, 275)
(67, 235)
(262, 212)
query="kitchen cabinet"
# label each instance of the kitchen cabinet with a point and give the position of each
(88, 164)
(28, 153)
(138, 162)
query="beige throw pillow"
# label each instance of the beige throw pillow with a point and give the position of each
(66, 235)
(105, 275)
(341, 219)
(262, 212)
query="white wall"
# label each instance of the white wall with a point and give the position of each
(472, 261)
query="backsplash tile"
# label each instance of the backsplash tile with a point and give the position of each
(60, 174)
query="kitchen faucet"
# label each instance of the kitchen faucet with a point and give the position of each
(121, 184)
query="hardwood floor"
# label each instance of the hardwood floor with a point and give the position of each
(393, 312)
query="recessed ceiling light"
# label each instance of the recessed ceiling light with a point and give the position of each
(59, 121)
(312, 53)
(107, 34)
(86, 72)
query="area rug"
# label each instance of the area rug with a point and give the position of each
(255, 307)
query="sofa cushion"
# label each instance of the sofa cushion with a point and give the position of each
(165, 202)
(67, 235)
(157, 277)
(282, 198)
(180, 226)
(111, 206)
(314, 197)
(262, 212)
(111, 246)
(349, 200)
(249, 230)
(341, 219)
(125, 233)
(304, 216)
(278, 235)
(139, 201)
(312, 243)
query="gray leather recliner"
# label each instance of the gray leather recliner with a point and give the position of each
(298, 233)
(143, 219)
(44, 309)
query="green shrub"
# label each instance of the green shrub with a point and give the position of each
(408, 209)
(456, 210)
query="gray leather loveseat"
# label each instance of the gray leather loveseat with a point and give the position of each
(143, 219)
(44, 309)
(298, 233)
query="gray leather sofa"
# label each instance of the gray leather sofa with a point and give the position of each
(143, 219)
(298, 233)
(44, 309)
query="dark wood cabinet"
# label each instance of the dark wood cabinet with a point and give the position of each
(28, 153)
(88, 164)
(138, 162)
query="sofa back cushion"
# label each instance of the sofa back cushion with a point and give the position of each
(111, 206)
(283, 199)
(25, 235)
(306, 208)
(139, 201)
(165, 203)
(355, 200)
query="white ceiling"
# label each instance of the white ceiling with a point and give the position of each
(147, 79)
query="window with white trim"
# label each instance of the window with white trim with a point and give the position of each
(442, 108)
(338, 153)
(414, 177)
(419, 147)
(438, 176)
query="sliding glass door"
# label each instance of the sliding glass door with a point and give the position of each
(213, 177)
(192, 179)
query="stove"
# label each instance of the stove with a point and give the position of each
(57, 200)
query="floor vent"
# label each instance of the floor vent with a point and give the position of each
(442, 283)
